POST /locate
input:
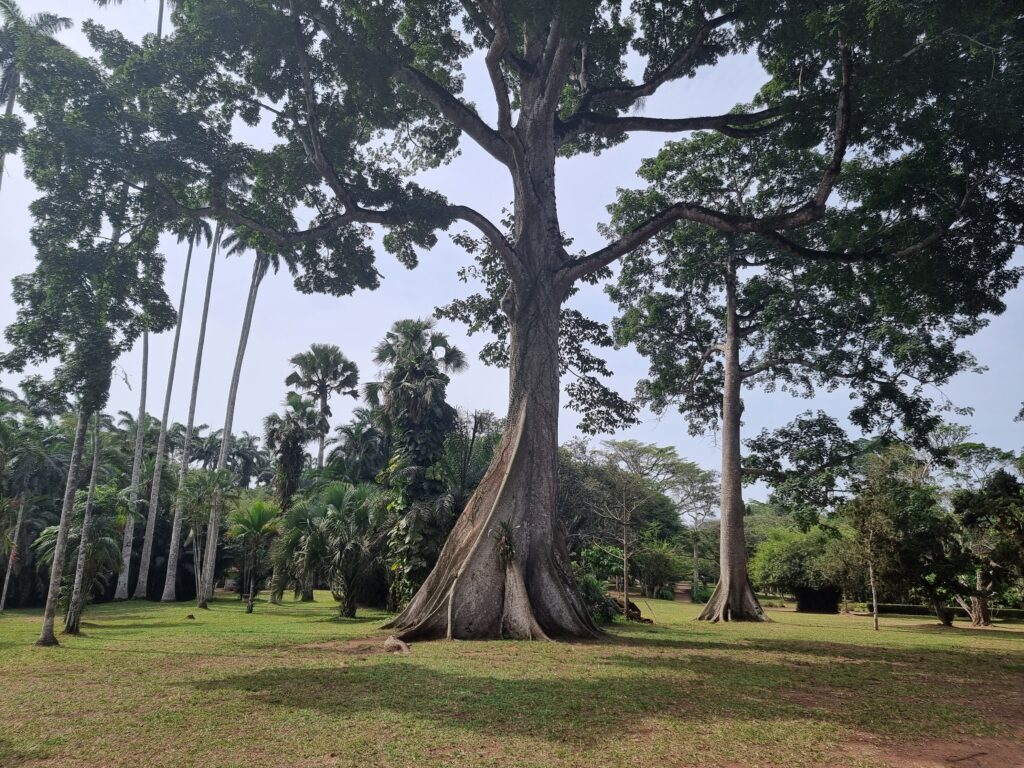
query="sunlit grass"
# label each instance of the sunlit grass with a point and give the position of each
(292, 685)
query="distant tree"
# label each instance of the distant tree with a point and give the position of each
(321, 372)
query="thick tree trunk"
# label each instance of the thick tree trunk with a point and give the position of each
(12, 97)
(47, 637)
(170, 581)
(943, 612)
(142, 585)
(79, 593)
(133, 494)
(13, 557)
(470, 593)
(213, 529)
(733, 598)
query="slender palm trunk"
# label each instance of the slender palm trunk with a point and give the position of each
(12, 97)
(133, 494)
(250, 599)
(696, 566)
(213, 529)
(169, 593)
(13, 558)
(142, 585)
(160, 21)
(323, 435)
(733, 598)
(625, 571)
(47, 637)
(874, 594)
(72, 620)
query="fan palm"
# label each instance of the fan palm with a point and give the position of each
(287, 437)
(16, 24)
(322, 372)
(253, 526)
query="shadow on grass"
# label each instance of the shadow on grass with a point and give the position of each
(592, 700)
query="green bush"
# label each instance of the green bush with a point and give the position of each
(595, 596)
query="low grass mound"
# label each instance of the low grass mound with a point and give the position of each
(291, 685)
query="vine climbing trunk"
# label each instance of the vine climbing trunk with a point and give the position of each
(471, 593)
(47, 637)
(733, 598)
(217, 507)
(174, 552)
(79, 593)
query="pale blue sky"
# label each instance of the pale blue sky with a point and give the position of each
(286, 322)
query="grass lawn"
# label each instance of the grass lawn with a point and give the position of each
(292, 685)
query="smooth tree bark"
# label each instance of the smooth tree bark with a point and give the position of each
(142, 585)
(217, 508)
(13, 557)
(121, 593)
(471, 593)
(173, 554)
(47, 636)
(73, 618)
(733, 598)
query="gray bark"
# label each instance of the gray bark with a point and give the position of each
(174, 552)
(12, 97)
(733, 598)
(323, 435)
(696, 566)
(133, 494)
(13, 557)
(47, 637)
(142, 585)
(213, 529)
(72, 620)
(470, 593)
(874, 594)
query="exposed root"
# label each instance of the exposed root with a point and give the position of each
(733, 602)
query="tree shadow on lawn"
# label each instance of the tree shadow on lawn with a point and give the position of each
(586, 705)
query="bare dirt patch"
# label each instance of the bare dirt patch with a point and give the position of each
(968, 753)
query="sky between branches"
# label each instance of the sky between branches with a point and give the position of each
(287, 322)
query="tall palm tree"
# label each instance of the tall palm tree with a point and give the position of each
(16, 24)
(287, 437)
(322, 372)
(121, 593)
(254, 526)
(192, 233)
(77, 600)
(363, 446)
(262, 264)
(169, 592)
(47, 636)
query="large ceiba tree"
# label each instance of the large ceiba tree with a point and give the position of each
(359, 93)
